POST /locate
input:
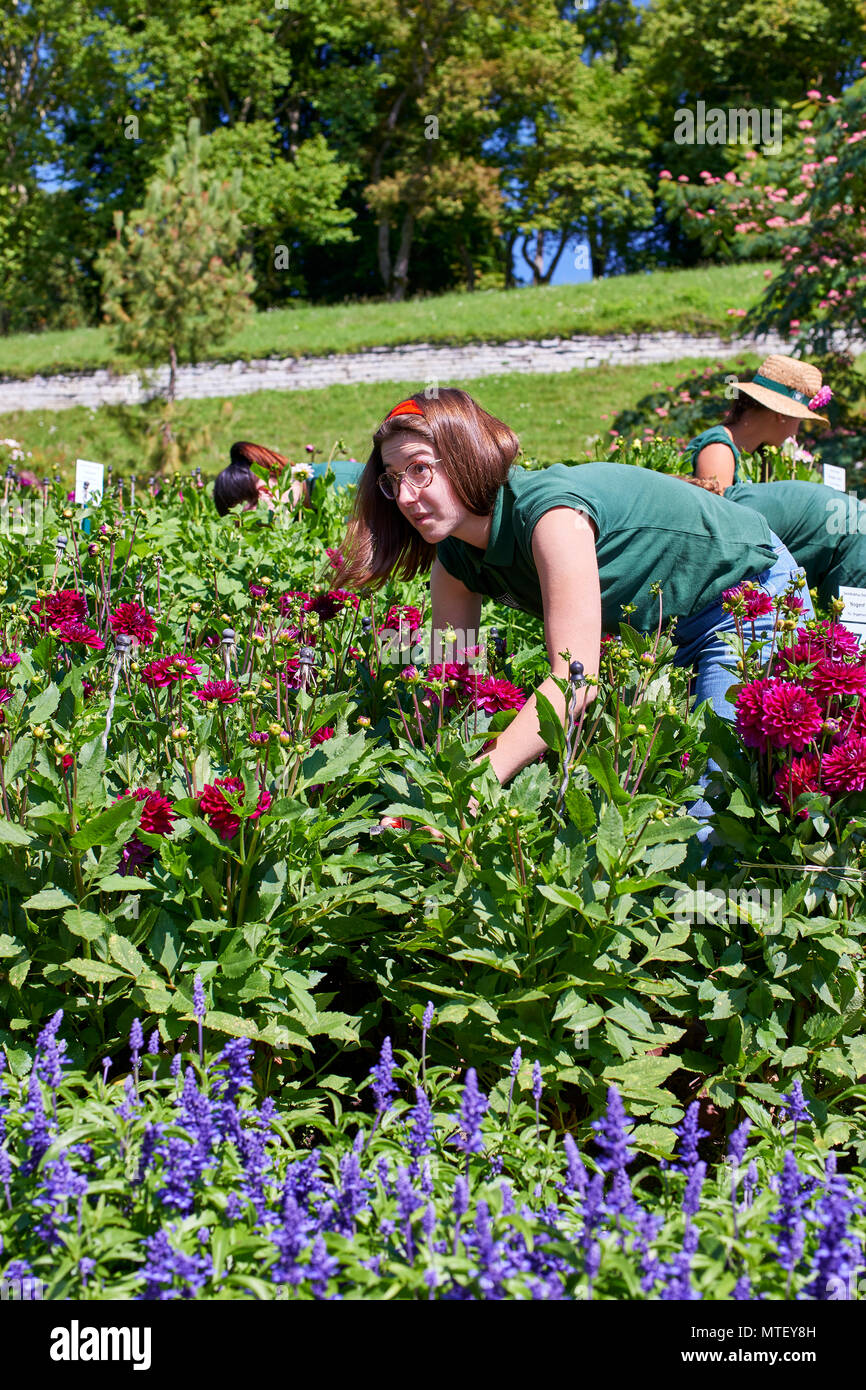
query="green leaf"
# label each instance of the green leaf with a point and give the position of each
(88, 925)
(549, 724)
(119, 883)
(44, 705)
(599, 764)
(103, 829)
(17, 758)
(49, 898)
(95, 970)
(125, 954)
(12, 834)
(610, 837)
(580, 809)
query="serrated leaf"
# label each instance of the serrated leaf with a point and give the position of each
(549, 724)
(95, 970)
(610, 836)
(88, 925)
(44, 705)
(103, 829)
(49, 898)
(12, 834)
(125, 954)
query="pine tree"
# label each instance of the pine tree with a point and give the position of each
(174, 285)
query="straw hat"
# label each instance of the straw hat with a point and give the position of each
(786, 385)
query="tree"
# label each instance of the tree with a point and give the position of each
(570, 152)
(806, 206)
(174, 285)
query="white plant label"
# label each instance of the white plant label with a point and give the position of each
(834, 476)
(89, 480)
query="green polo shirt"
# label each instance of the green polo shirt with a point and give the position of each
(820, 526)
(339, 473)
(717, 435)
(651, 528)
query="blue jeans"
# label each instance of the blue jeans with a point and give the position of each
(699, 644)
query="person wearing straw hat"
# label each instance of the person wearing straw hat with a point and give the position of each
(570, 545)
(805, 516)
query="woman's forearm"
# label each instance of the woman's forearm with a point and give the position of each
(521, 742)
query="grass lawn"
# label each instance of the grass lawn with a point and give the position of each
(555, 416)
(692, 301)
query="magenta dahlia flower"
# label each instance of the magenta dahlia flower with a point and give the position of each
(832, 679)
(792, 717)
(747, 601)
(224, 692)
(397, 617)
(321, 736)
(79, 634)
(133, 621)
(492, 695)
(287, 600)
(750, 714)
(168, 670)
(219, 813)
(844, 767)
(9, 660)
(257, 590)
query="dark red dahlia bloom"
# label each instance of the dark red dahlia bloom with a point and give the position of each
(792, 717)
(168, 670)
(492, 695)
(79, 634)
(327, 605)
(844, 767)
(321, 736)
(62, 607)
(750, 714)
(798, 776)
(157, 816)
(290, 675)
(225, 692)
(134, 621)
(220, 815)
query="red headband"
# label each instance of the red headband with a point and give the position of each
(405, 408)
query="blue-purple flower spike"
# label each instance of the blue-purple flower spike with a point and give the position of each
(536, 1096)
(199, 1008)
(516, 1060)
(426, 1021)
(796, 1107)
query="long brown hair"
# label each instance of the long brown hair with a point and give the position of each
(476, 451)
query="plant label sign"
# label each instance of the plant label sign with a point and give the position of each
(854, 612)
(834, 476)
(89, 481)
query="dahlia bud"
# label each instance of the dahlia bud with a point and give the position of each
(195, 606)
(275, 730)
(513, 812)
(647, 658)
(93, 548)
(363, 721)
(60, 748)
(267, 685)
(659, 814)
(180, 733)
(642, 729)
(39, 731)
(285, 737)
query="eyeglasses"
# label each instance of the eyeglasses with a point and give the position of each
(417, 475)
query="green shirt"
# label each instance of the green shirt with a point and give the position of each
(820, 526)
(717, 435)
(651, 528)
(345, 473)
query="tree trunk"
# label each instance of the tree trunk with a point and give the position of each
(548, 274)
(401, 264)
(469, 268)
(509, 261)
(384, 253)
(536, 260)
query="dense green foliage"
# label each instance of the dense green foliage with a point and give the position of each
(567, 927)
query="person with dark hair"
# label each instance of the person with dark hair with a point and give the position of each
(238, 483)
(569, 544)
(830, 547)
